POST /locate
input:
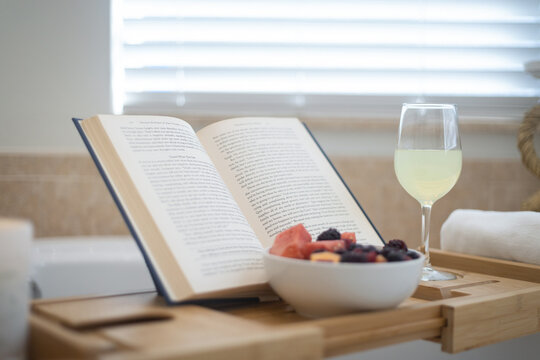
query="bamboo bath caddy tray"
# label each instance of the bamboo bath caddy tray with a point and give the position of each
(491, 301)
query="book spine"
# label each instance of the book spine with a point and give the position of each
(157, 283)
(343, 181)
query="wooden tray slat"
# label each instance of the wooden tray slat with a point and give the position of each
(491, 319)
(482, 265)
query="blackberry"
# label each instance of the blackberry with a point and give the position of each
(412, 254)
(370, 248)
(354, 257)
(365, 248)
(396, 255)
(386, 250)
(358, 250)
(398, 244)
(330, 234)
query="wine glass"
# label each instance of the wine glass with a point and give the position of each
(427, 162)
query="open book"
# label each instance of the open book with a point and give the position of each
(203, 206)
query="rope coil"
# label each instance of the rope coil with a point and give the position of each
(529, 157)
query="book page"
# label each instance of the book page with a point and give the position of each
(200, 221)
(280, 178)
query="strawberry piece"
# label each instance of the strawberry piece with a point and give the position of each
(372, 256)
(350, 238)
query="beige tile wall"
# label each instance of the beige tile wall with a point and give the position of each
(64, 194)
(61, 194)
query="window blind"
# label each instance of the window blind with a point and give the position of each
(352, 59)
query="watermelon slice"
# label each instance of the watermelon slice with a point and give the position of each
(288, 243)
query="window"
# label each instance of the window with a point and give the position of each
(328, 59)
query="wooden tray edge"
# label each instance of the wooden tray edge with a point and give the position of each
(482, 265)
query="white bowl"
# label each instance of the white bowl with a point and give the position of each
(317, 289)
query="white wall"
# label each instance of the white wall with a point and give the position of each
(54, 65)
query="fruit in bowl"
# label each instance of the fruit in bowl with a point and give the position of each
(296, 242)
(333, 279)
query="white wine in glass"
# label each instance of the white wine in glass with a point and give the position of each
(427, 162)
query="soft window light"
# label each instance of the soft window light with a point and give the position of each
(353, 59)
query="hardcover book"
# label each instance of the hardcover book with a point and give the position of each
(203, 205)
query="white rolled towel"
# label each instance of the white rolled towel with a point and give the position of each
(513, 235)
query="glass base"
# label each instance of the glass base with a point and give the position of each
(428, 274)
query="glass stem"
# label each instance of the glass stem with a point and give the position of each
(426, 217)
